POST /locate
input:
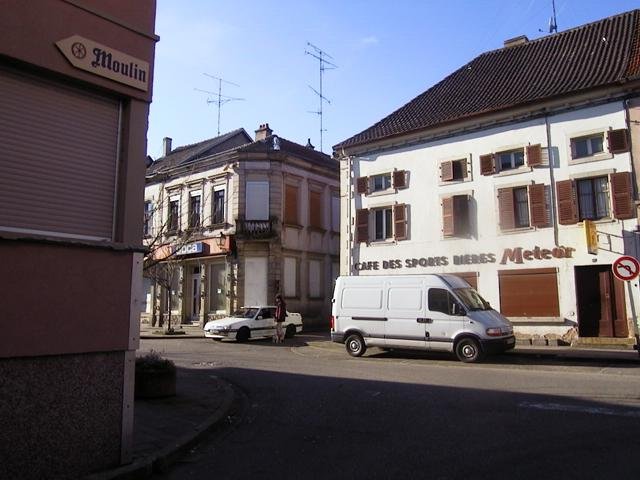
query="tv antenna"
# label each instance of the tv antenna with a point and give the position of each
(324, 64)
(553, 24)
(219, 98)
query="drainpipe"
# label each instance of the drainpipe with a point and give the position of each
(552, 186)
(348, 214)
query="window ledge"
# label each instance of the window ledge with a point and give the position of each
(316, 229)
(517, 230)
(380, 193)
(514, 171)
(592, 158)
(292, 225)
(382, 243)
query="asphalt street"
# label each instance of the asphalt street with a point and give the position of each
(308, 410)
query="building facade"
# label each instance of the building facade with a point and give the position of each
(74, 104)
(500, 173)
(232, 221)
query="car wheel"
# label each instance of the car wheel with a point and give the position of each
(468, 350)
(243, 334)
(290, 331)
(355, 345)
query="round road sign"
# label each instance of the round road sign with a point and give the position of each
(626, 268)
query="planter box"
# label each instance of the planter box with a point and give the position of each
(155, 384)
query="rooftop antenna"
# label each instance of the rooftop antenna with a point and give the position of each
(324, 64)
(219, 98)
(553, 25)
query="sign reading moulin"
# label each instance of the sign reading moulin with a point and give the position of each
(101, 60)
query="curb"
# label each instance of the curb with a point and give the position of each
(165, 457)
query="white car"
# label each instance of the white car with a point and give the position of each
(252, 322)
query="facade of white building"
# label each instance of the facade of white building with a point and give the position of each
(232, 221)
(497, 190)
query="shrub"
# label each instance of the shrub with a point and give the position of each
(153, 362)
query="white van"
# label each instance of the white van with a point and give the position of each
(428, 312)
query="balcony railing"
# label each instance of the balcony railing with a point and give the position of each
(255, 229)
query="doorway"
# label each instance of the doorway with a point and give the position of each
(195, 293)
(600, 302)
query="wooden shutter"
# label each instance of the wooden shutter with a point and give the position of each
(621, 195)
(362, 185)
(618, 140)
(400, 222)
(463, 167)
(487, 164)
(534, 155)
(362, 225)
(291, 204)
(399, 179)
(537, 206)
(446, 171)
(506, 209)
(448, 220)
(315, 209)
(567, 202)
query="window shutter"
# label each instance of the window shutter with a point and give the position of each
(534, 155)
(618, 140)
(315, 209)
(567, 202)
(463, 167)
(446, 171)
(448, 222)
(399, 179)
(362, 185)
(487, 164)
(539, 217)
(621, 194)
(291, 204)
(506, 209)
(400, 221)
(362, 225)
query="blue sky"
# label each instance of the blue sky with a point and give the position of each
(387, 52)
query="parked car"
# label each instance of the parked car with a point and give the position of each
(426, 312)
(252, 322)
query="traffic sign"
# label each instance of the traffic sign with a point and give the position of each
(626, 268)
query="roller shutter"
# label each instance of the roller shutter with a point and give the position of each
(529, 292)
(58, 158)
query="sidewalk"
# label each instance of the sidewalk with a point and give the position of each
(182, 331)
(166, 428)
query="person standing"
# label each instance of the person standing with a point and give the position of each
(281, 314)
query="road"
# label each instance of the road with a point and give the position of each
(308, 410)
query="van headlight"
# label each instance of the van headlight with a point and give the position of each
(494, 332)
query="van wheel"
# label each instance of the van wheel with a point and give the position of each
(468, 350)
(243, 334)
(290, 331)
(355, 345)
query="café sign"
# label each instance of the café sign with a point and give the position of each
(105, 61)
(516, 255)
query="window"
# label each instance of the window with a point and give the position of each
(382, 182)
(383, 224)
(440, 300)
(335, 212)
(315, 209)
(455, 216)
(218, 214)
(388, 222)
(257, 200)
(148, 218)
(194, 210)
(521, 207)
(587, 146)
(593, 198)
(290, 280)
(173, 218)
(315, 278)
(510, 159)
(453, 170)
(291, 205)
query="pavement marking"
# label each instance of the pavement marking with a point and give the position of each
(559, 407)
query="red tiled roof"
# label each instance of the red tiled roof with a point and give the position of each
(602, 53)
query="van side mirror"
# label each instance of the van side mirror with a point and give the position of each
(457, 310)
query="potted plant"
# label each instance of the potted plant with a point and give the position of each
(155, 376)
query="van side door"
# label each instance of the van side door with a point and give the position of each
(405, 327)
(445, 319)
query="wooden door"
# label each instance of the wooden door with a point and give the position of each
(605, 324)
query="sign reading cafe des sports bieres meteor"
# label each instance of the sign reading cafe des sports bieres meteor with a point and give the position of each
(517, 255)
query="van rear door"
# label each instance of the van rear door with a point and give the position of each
(405, 326)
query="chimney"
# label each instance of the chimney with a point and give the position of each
(515, 41)
(308, 145)
(166, 146)
(263, 132)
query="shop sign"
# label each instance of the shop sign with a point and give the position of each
(101, 60)
(189, 249)
(517, 255)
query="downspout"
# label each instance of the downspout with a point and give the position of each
(348, 214)
(552, 182)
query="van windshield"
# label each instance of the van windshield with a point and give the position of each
(472, 299)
